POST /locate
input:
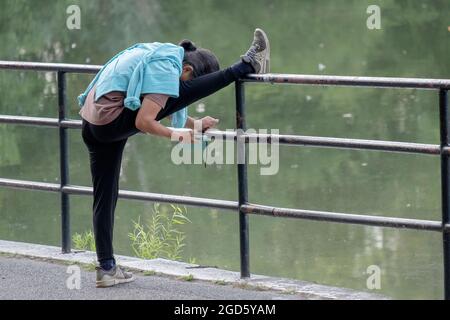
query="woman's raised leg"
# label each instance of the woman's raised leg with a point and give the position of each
(203, 86)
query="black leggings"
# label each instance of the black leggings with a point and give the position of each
(105, 144)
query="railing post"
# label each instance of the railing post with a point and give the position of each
(445, 186)
(63, 165)
(242, 179)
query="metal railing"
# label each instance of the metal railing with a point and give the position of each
(243, 206)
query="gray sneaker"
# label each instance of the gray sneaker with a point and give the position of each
(112, 277)
(259, 53)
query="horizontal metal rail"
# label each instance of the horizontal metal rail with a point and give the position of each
(341, 143)
(124, 194)
(378, 221)
(381, 82)
(56, 67)
(166, 198)
(30, 185)
(34, 121)
(40, 121)
(324, 80)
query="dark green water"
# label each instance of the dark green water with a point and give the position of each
(309, 37)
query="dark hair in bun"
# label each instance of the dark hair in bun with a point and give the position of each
(188, 45)
(203, 61)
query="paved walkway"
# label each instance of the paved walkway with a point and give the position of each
(40, 271)
(24, 278)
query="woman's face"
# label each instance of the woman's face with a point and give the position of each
(187, 73)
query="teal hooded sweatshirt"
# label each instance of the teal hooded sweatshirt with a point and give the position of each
(141, 69)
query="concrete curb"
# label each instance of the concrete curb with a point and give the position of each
(181, 269)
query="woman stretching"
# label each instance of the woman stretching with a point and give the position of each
(132, 93)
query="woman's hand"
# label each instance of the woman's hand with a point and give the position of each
(208, 123)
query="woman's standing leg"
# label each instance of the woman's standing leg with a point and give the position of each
(105, 163)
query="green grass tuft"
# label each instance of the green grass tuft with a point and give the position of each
(84, 241)
(160, 237)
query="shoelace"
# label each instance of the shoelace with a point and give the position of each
(251, 53)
